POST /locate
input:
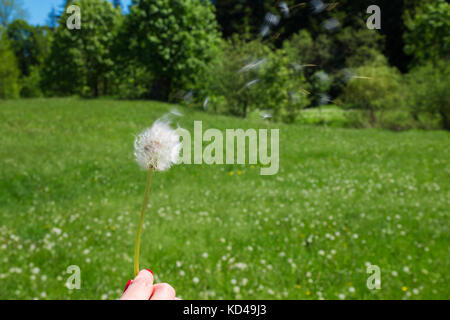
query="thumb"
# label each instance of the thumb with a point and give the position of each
(141, 287)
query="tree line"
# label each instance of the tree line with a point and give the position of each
(239, 56)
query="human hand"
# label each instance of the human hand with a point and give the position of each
(142, 288)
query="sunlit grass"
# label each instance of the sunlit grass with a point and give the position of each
(70, 194)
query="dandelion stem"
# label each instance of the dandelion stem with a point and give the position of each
(141, 222)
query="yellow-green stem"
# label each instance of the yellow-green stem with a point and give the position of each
(141, 222)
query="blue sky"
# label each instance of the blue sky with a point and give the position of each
(38, 10)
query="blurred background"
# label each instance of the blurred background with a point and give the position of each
(362, 102)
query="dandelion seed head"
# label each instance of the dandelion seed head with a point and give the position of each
(157, 147)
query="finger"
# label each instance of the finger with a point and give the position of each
(140, 288)
(163, 291)
(176, 298)
(127, 285)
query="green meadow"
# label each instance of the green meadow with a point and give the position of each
(343, 199)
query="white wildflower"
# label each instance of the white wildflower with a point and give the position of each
(157, 147)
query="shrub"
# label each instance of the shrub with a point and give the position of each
(372, 89)
(366, 56)
(280, 89)
(247, 77)
(428, 91)
(132, 80)
(31, 85)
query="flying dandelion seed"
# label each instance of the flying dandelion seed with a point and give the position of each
(324, 99)
(362, 77)
(271, 19)
(302, 4)
(306, 91)
(168, 117)
(252, 65)
(251, 83)
(322, 76)
(297, 67)
(317, 6)
(188, 96)
(155, 149)
(284, 9)
(205, 103)
(332, 6)
(347, 75)
(331, 24)
(294, 97)
(266, 115)
(264, 31)
(176, 112)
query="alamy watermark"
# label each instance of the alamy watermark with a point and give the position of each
(74, 20)
(374, 281)
(374, 21)
(74, 281)
(236, 143)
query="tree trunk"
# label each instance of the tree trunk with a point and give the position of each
(160, 89)
(373, 118)
(445, 120)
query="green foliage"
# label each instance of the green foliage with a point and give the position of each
(366, 56)
(248, 76)
(332, 51)
(30, 44)
(80, 61)
(230, 74)
(31, 84)
(132, 81)
(330, 116)
(348, 48)
(429, 91)
(300, 48)
(281, 89)
(9, 72)
(373, 88)
(320, 86)
(428, 35)
(173, 38)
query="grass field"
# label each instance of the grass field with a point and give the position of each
(70, 194)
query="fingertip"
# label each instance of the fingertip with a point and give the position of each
(145, 275)
(140, 288)
(163, 291)
(126, 286)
